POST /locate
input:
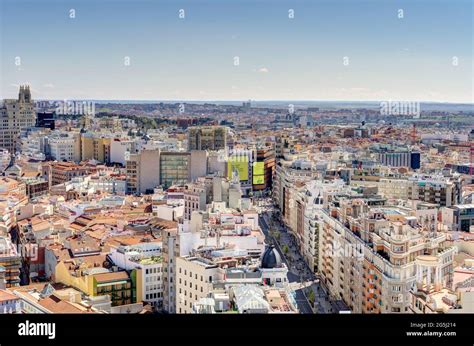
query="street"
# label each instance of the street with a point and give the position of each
(303, 304)
(300, 276)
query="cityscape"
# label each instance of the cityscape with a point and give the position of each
(232, 177)
(234, 209)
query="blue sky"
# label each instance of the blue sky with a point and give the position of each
(279, 58)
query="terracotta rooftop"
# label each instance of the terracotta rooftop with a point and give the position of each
(110, 277)
(5, 295)
(59, 306)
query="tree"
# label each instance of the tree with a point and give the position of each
(285, 249)
(311, 297)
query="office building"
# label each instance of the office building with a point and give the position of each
(175, 168)
(15, 116)
(207, 138)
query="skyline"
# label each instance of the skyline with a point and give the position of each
(299, 59)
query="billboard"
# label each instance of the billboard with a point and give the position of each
(258, 179)
(239, 164)
(258, 168)
(258, 173)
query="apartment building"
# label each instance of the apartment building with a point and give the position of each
(87, 275)
(171, 251)
(194, 199)
(62, 172)
(458, 217)
(95, 146)
(373, 257)
(433, 189)
(145, 260)
(65, 148)
(36, 187)
(284, 146)
(10, 260)
(442, 191)
(290, 179)
(118, 149)
(194, 278)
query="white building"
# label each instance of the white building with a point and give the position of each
(64, 148)
(146, 258)
(118, 149)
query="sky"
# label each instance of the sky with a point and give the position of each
(356, 50)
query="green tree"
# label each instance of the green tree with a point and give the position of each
(311, 297)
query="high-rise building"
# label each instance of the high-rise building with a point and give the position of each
(207, 138)
(16, 115)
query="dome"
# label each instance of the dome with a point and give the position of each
(271, 258)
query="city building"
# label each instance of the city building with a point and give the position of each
(175, 168)
(207, 138)
(15, 116)
(10, 260)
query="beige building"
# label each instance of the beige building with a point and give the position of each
(143, 171)
(194, 277)
(374, 257)
(95, 147)
(16, 115)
